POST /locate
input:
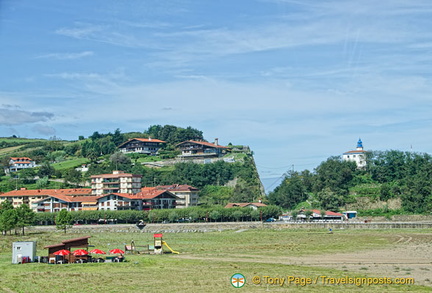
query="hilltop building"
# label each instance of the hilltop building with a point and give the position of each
(149, 146)
(19, 163)
(358, 155)
(201, 149)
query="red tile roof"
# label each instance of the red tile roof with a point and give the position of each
(149, 140)
(20, 158)
(152, 192)
(204, 143)
(245, 204)
(145, 193)
(69, 198)
(328, 213)
(126, 195)
(143, 140)
(356, 152)
(177, 187)
(47, 192)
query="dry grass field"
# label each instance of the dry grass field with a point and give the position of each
(208, 260)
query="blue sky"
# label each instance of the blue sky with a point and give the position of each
(297, 81)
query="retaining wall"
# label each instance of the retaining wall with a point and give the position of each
(212, 227)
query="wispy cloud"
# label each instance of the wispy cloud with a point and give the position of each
(109, 34)
(80, 31)
(66, 56)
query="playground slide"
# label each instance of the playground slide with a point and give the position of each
(172, 251)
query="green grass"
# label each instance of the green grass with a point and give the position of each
(236, 156)
(70, 163)
(9, 150)
(147, 159)
(206, 263)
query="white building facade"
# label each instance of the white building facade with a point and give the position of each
(358, 155)
(118, 182)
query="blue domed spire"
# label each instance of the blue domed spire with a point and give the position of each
(360, 144)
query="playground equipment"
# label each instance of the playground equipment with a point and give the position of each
(157, 248)
(137, 249)
(158, 243)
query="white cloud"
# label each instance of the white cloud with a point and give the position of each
(66, 56)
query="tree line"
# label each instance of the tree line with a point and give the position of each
(191, 214)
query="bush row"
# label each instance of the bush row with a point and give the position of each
(192, 214)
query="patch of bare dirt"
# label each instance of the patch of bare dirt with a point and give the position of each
(410, 256)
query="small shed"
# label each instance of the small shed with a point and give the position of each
(23, 251)
(69, 244)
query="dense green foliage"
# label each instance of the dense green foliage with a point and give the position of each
(173, 134)
(14, 218)
(335, 183)
(63, 220)
(192, 214)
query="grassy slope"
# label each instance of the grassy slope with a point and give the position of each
(70, 163)
(173, 273)
(9, 150)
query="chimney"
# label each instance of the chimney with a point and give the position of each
(216, 142)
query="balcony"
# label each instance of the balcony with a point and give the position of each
(116, 181)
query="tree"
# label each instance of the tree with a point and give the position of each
(26, 216)
(219, 195)
(255, 215)
(73, 176)
(322, 214)
(118, 137)
(290, 193)
(237, 215)
(335, 175)
(120, 161)
(63, 220)
(46, 170)
(385, 192)
(308, 215)
(294, 215)
(8, 220)
(330, 200)
(6, 205)
(173, 216)
(42, 182)
(215, 215)
(27, 175)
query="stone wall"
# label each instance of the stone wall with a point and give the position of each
(215, 227)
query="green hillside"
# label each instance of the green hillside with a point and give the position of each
(393, 182)
(231, 178)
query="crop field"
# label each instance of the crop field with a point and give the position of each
(283, 260)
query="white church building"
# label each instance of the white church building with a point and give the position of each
(358, 155)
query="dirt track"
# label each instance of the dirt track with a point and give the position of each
(406, 258)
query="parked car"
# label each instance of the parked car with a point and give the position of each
(271, 220)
